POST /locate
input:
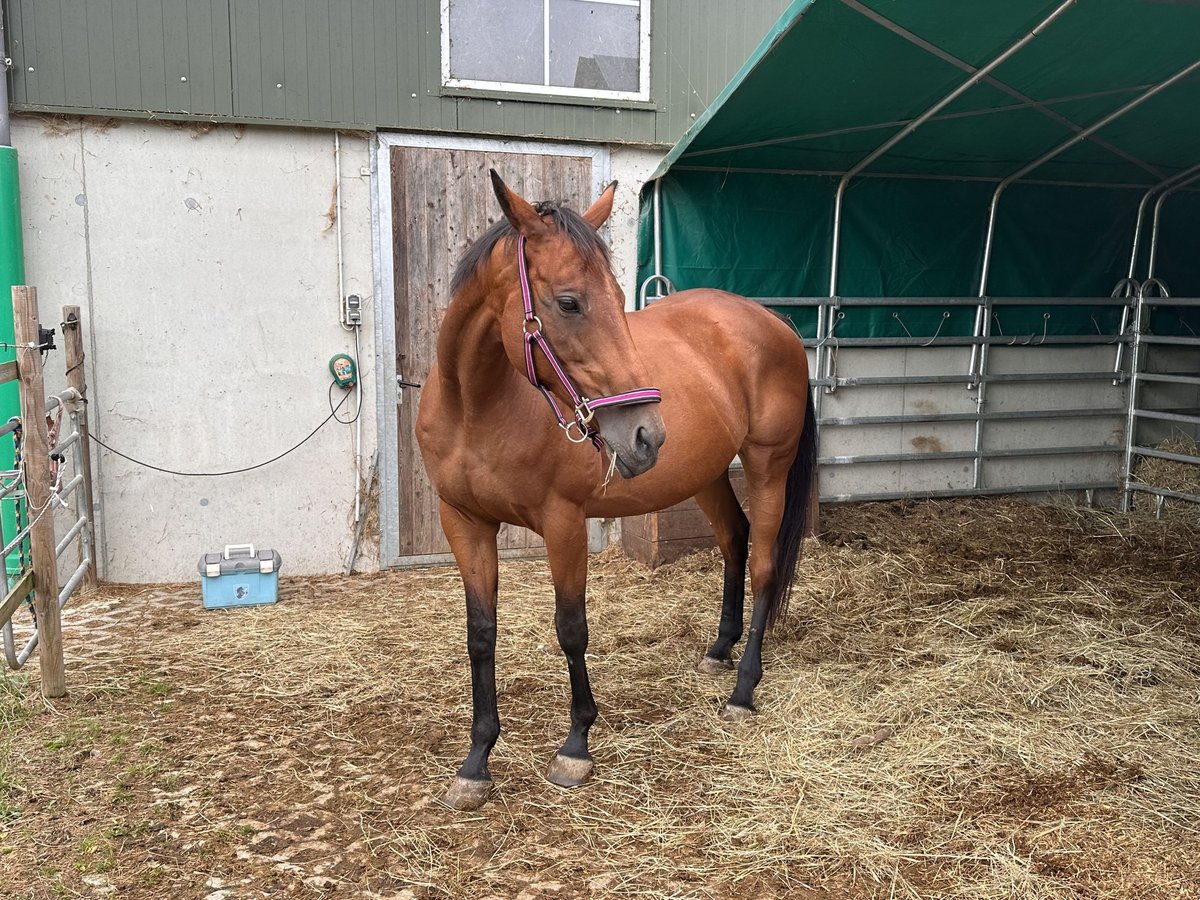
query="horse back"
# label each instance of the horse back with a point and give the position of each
(750, 346)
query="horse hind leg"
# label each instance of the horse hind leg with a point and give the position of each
(780, 478)
(732, 529)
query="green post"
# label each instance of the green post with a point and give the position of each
(12, 271)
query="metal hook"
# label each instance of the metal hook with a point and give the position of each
(1100, 331)
(945, 316)
(831, 359)
(1045, 330)
(832, 328)
(896, 316)
(996, 318)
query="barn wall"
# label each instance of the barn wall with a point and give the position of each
(205, 263)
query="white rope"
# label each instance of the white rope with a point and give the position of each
(612, 465)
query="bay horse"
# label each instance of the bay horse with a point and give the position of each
(680, 388)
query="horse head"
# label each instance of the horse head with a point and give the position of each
(574, 304)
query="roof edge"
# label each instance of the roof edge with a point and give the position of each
(778, 31)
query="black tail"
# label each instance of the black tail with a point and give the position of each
(795, 515)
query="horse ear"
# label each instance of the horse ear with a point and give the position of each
(519, 212)
(599, 211)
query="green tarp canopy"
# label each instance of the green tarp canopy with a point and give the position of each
(747, 196)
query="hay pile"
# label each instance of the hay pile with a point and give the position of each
(1172, 474)
(968, 699)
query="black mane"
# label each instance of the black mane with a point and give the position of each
(583, 237)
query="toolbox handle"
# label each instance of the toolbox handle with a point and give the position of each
(243, 550)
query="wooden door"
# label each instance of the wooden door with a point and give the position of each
(441, 201)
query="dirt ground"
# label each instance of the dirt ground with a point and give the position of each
(968, 699)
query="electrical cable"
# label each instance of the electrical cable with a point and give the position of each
(333, 410)
(311, 434)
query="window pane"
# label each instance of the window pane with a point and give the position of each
(496, 40)
(594, 45)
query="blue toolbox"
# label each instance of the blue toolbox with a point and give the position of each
(241, 576)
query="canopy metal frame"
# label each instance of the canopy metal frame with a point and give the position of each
(1135, 298)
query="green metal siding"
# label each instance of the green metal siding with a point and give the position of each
(364, 63)
(149, 56)
(696, 47)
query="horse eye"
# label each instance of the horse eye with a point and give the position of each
(568, 304)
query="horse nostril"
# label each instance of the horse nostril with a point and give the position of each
(641, 443)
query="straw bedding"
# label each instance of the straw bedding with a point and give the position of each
(967, 699)
(1173, 475)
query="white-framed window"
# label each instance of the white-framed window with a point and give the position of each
(568, 48)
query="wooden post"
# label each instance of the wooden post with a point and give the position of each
(35, 460)
(73, 345)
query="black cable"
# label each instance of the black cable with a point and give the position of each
(333, 410)
(332, 415)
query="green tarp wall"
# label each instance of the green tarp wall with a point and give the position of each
(745, 207)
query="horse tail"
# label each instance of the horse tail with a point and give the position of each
(794, 524)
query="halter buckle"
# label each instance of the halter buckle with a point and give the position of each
(584, 413)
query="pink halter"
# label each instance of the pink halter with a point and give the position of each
(584, 409)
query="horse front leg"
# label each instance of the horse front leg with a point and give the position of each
(566, 546)
(474, 544)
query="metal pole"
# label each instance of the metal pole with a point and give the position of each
(658, 226)
(1066, 145)
(1158, 205)
(1141, 213)
(1045, 157)
(1131, 412)
(916, 123)
(985, 320)
(5, 121)
(1128, 286)
(979, 358)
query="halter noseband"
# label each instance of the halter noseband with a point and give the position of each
(584, 409)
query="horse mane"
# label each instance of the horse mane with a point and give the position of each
(583, 237)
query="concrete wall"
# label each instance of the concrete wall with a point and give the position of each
(205, 261)
(1017, 435)
(631, 167)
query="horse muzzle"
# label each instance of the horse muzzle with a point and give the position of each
(634, 435)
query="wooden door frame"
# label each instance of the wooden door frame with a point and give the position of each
(387, 393)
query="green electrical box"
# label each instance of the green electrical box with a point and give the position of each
(345, 373)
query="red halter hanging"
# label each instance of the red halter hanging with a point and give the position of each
(584, 409)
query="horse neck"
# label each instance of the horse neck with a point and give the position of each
(471, 355)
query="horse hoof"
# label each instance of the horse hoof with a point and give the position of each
(569, 772)
(467, 794)
(732, 713)
(710, 665)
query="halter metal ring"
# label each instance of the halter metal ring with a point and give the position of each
(535, 322)
(583, 434)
